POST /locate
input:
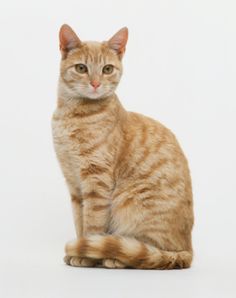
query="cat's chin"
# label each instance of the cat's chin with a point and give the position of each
(94, 96)
(97, 96)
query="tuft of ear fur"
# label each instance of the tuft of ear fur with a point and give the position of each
(118, 41)
(68, 39)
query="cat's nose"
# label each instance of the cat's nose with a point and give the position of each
(95, 84)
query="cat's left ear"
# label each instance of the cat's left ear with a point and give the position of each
(118, 41)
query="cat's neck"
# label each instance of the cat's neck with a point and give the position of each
(82, 106)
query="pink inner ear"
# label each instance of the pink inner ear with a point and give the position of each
(119, 40)
(68, 38)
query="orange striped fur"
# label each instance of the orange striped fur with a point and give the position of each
(127, 175)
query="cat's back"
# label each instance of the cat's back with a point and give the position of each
(150, 146)
(150, 131)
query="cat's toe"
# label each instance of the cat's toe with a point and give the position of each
(79, 262)
(66, 259)
(113, 263)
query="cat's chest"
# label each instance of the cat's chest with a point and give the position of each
(66, 136)
(77, 141)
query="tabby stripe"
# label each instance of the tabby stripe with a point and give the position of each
(103, 184)
(83, 247)
(91, 149)
(154, 229)
(141, 257)
(137, 193)
(93, 195)
(112, 247)
(100, 207)
(124, 204)
(92, 169)
(156, 166)
(137, 184)
(144, 136)
(147, 151)
(76, 199)
(93, 228)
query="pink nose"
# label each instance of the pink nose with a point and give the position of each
(95, 84)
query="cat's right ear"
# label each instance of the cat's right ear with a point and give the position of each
(68, 40)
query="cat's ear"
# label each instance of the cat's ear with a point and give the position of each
(68, 39)
(118, 41)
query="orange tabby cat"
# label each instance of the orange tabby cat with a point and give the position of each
(128, 178)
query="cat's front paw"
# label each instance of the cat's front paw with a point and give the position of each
(79, 262)
(113, 264)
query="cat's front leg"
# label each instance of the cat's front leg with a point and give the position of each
(96, 212)
(77, 208)
(96, 186)
(76, 201)
(92, 215)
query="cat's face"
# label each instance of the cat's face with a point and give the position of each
(91, 70)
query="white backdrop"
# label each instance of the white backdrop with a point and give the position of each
(180, 68)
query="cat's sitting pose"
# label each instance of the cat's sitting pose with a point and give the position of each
(127, 176)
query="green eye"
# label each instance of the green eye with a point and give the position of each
(81, 68)
(108, 69)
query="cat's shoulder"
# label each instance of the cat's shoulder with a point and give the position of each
(141, 119)
(142, 123)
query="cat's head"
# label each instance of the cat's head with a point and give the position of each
(90, 69)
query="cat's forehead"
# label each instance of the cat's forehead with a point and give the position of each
(93, 52)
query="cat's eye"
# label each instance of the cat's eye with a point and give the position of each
(108, 69)
(81, 68)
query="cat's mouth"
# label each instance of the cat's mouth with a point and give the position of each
(96, 93)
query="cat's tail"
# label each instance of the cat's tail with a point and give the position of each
(131, 252)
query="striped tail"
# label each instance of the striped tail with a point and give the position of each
(129, 251)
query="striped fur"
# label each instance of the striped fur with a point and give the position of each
(127, 176)
(129, 251)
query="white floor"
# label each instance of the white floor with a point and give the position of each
(47, 277)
